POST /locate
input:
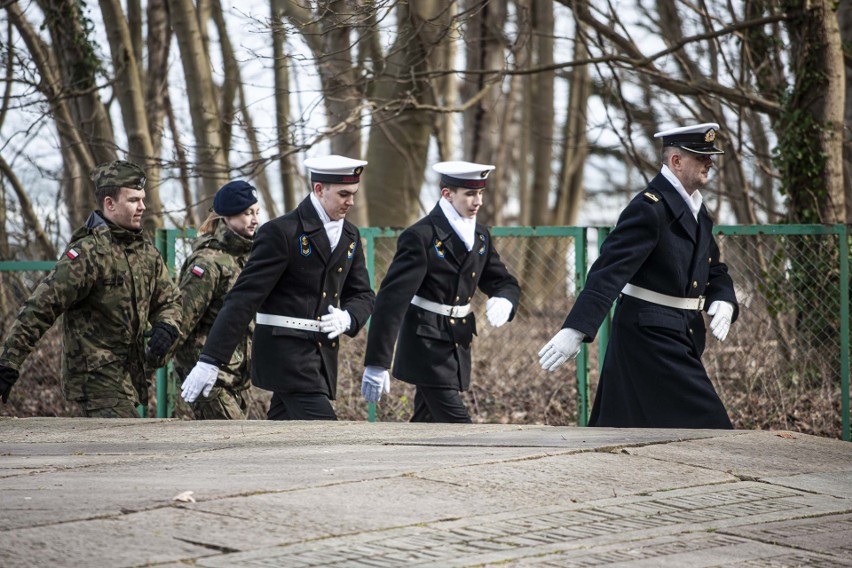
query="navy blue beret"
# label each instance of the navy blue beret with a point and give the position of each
(234, 197)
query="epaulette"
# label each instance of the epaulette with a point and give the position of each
(651, 197)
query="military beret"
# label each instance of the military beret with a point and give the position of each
(234, 197)
(118, 173)
(698, 139)
(467, 175)
(335, 169)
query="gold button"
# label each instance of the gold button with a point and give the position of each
(694, 284)
(464, 321)
(334, 344)
(457, 344)
(452, 321)
(457, 298)
(710, 259)
(469, 297)
(319, 343)
(324, 294)
(318, 318)
(340, 269)
(690, 331)
(335, 294)
(473, 275)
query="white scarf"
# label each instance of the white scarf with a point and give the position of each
(332, 228)
(464, 227)
(693, 201)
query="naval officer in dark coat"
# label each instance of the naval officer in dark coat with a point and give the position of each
(305, 283)
(423, 304)
(662, 264)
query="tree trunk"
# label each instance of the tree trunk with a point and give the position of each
(282, 109)
(211, 163)
(399, 136)
(157, 84)
(484, 52)
(77, 67)
(571, 192)
(129, 93)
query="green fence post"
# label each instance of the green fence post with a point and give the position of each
(604, 330)
(843, 247)
(581, 246)
(161, 240)
(370, 235)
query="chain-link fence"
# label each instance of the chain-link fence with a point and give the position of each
(785, 363)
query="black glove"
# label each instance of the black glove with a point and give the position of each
(8, 376)
(160, 340)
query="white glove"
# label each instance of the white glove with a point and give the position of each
(722, 313)
(375, 381)
(201, 378)
(498, 310)
(335, 322)
(563, 346)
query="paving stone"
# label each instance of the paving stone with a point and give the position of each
(830, 534)
(838, 483)
(758, 455)
(554, 530)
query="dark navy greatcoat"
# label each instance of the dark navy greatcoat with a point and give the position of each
(652, 374)
(293, 272)
(432, 262)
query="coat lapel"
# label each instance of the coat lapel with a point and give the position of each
(314, 229)
(451, 242)
(678, 206)
(345, 244)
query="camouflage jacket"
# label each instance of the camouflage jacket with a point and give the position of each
(111, 285)
(205, 279)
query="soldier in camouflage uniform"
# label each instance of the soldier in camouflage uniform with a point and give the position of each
(110, 284)
(217, 258)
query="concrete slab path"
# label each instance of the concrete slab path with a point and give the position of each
(78, 492)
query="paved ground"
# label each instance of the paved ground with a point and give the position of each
(77, 492)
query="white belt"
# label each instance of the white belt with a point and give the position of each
(441, 309)
(663, 299)
(284, 321)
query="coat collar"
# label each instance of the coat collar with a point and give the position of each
(314, 228)
(677, 205)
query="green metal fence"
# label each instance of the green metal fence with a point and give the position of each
(785, 363)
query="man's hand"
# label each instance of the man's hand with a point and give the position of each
(563, 346)
(375, 381)
(335, 322)
(722, 313)
(199, 381)
(161, 340)
(498, 310)
(8, 376)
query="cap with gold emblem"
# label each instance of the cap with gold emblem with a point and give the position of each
(698, 139)
(466, 175)
(335, 169)
(118, 173)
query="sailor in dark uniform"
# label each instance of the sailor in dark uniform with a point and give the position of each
(423, 304)
(305, 283)
(662, 264)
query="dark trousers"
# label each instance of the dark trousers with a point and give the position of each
(439, 405)
(300, 407)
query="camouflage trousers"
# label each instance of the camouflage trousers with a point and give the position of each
(108, 408)
(223, 404)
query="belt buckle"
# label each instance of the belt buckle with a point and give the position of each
(701, 300)
(455, 311)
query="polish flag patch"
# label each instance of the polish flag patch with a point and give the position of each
(197, 270)
(72, 254)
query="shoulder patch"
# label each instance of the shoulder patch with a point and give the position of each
(72, 254)
(651, 197)
(197, 271)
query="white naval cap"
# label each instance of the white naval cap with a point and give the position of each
(335, 169)
(467, 175)
(698, 139)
